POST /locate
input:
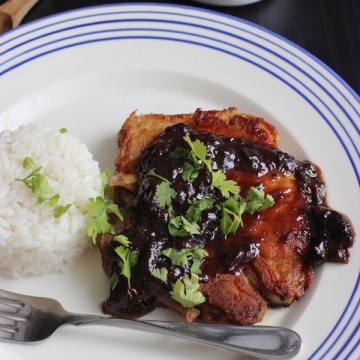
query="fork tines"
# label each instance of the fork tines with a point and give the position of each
(12, 315)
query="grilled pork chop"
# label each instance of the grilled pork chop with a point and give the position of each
(189, 263)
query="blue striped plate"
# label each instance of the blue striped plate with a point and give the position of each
(87, 70)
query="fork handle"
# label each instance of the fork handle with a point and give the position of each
(267, 342)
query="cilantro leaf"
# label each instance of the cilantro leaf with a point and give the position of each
(179, 152)
(38, 184)
(180, 226)
(186, 292)
(191, 227)
(99, 209)
(128, 260)
(226, 186)
(232, 210)
(54, 199)
(122, 239)
(60, 210)
(106, 190)
(28, 163)
(160, 274)
(175, 227)
(113, 281)
(258, 200)
(99, 225)
(184, 256)
(165, 194)
(153, 173)
(190, 171)
(95, 206)
(104, 177)
(115, 209)
(198, 149)
(197, 256)
(196, 207)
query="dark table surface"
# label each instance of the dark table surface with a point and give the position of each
(328, 29)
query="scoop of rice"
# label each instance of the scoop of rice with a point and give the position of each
(32, 240)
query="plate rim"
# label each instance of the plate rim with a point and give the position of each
(216, 14)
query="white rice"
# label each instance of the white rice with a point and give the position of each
(32, 240)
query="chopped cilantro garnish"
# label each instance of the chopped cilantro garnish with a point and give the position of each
(160, 274)
(38, 184)
(225, 185)
(128, 260)
(191, 170)
(186, 291)
(196, 207)
(99, 209)
(63, 130)
(165, 194)
(258, 200)
(96, 207)
(179, 152)
(184, 256)
(36, 181)
(54, 200)
(192, 165)
(113, 281)
(234, 207)
(28, 163)
(153, 173)
(180, 226)
(60, 210)
(198, 150)
(232, 210)
(122, 239)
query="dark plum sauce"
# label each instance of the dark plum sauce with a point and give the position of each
(329, 233)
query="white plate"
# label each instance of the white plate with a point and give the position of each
(87, 70)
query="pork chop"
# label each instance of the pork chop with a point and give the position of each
(176, 252)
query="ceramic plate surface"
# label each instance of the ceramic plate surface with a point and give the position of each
(87, 70)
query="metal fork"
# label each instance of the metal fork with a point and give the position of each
(29, 319)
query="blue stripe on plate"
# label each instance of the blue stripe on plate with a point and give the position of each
(351, 309)
(334, 343)
(206, 38)
(290, 45)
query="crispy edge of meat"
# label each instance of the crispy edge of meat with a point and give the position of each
(231, 299)
(139, 131)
